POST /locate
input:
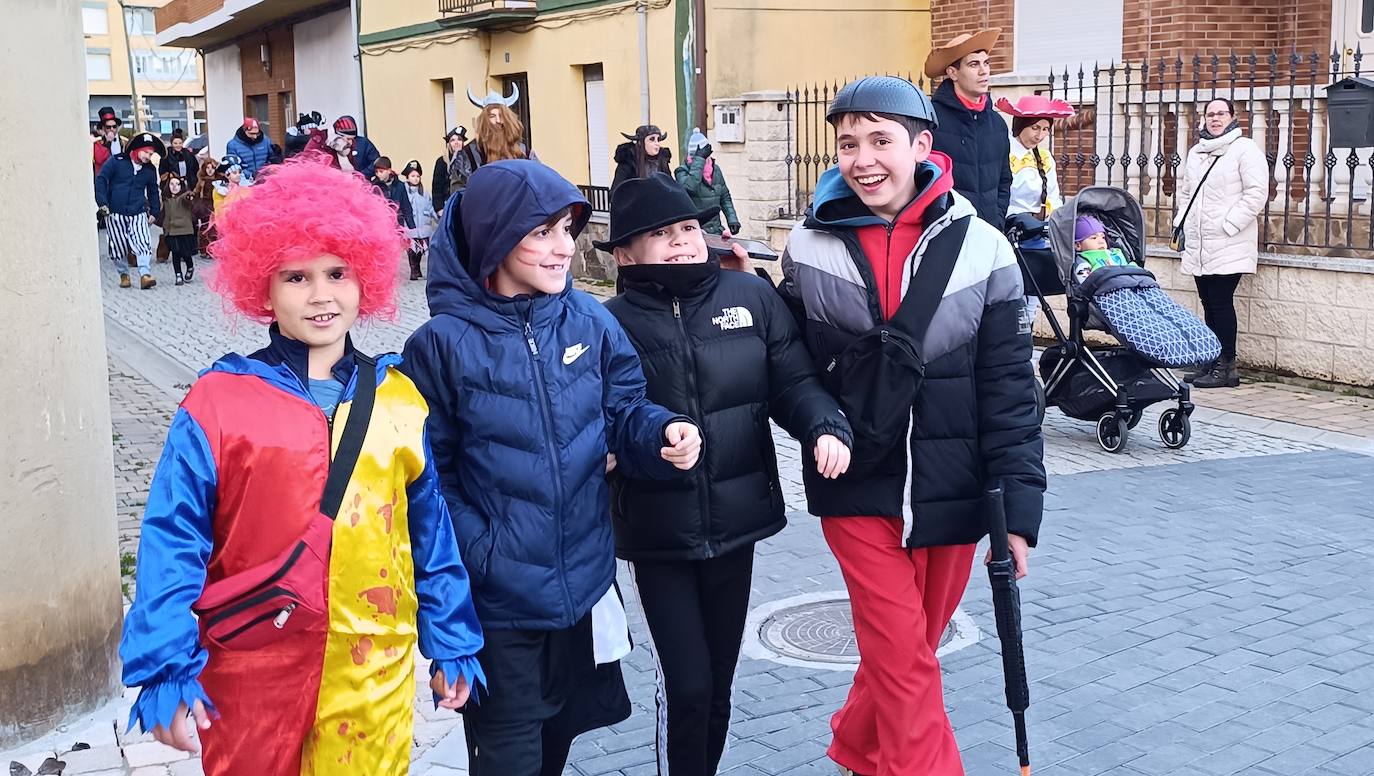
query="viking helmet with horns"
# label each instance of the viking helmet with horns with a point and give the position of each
(494, 98)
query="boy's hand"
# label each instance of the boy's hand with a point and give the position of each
(739, 261)
(832, 456)
(1020, 554)
(610, 462)
(451, 696)
(684, 445)
(180, 736)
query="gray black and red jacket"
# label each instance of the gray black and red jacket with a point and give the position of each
(975, 420)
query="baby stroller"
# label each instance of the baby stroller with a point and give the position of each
(1113, 385)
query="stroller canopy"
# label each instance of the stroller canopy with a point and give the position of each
(1115, 208)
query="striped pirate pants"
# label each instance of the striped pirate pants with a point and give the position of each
(130, 234)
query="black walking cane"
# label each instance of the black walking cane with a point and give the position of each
(1006, 605)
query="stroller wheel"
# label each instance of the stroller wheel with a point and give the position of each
(1112, 432)
(1175, 429)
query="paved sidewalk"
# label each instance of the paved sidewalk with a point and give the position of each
(1200, 611)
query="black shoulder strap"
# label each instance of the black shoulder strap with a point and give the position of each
(927, 287)
(351, 441)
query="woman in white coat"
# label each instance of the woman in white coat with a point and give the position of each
(1225, 183)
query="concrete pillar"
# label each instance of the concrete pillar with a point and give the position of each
(60, 604)
(757, 168)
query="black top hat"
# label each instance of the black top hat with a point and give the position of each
(106, 113)
(146, 140)
(640, 205)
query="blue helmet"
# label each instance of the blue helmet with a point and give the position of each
(883, 94)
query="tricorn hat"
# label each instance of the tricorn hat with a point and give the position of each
(146, 140)
(461, 132)
(228, 164)
(412, 166)
(943, 56)
(495, 98)
(640, 205)
(1035, 106)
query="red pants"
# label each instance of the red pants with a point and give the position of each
(894, 721)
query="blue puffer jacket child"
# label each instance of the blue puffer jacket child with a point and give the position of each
(526, 397)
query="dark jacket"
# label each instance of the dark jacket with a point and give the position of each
(709, 196)
(728, 354)
(980, 145)
(395, 190)
(186, 155)
(125, 192)
(364, 155)
(438, 184)
(526, 397)
(975, 420)
(625, 168)
(467, 161)
(177, 215)
(256, 154)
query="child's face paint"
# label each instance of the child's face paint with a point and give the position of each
(315, 301)
(539, 263)
(679, 243)
(878, 161)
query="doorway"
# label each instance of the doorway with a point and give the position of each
(598, 143)
(521, 107)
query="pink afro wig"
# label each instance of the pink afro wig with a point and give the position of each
(304, 209)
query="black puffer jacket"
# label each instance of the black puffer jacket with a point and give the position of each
(980, 146)
(728, 354)
(625, 168)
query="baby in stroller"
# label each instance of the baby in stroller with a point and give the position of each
(1098, 242)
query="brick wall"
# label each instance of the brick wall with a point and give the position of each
(949, 18)
(276, 84)
(1171, 28)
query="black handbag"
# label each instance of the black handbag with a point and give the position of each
(1176, 239)
(877, 378)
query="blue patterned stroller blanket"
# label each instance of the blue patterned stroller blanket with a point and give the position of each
(1140, 314)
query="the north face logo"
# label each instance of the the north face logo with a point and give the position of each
(734, 318)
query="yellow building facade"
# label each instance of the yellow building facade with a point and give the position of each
(171, 85)
(580, 69)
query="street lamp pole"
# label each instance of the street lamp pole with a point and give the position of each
(129, 55)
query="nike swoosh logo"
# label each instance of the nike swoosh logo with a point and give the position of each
(573, 353)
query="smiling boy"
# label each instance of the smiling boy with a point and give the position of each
(531, 384)
(904, 526)
(250, 457)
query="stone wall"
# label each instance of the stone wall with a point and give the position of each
(756, 168)
(591, 264)
(1301, 316)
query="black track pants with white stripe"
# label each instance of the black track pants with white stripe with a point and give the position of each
(696, 612)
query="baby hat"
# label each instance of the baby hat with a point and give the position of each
(1087, 226)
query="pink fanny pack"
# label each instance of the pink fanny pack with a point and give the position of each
(289, 594)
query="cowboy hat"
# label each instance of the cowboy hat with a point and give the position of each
(1035, 106)
(962, 45)
(641, 205)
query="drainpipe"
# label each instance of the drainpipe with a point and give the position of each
(358, 59)
(699, 76)
(642, 9)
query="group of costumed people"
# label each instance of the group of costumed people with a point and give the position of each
(320, 515)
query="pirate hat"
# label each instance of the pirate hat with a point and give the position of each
(961, 46)
(228, 164)
(641, 205)
(147, 140)
(412, 166)
(461, 132)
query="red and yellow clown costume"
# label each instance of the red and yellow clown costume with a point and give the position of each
(241, 476)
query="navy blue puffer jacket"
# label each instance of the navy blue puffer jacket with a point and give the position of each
(526, 397)
(979, 144)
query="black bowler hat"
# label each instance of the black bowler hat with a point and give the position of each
(640, 205)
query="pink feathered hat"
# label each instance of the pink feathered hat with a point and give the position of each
(1035, 106)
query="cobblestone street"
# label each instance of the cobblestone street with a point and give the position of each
(1200, 612)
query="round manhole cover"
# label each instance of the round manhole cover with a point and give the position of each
(819, 631)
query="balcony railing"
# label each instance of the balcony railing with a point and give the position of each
(599, 196)
(483, 13)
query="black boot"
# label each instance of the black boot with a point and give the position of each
(415, 273)
(1198, 371)
(1223, 375)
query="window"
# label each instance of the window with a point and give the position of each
(1041, 43)
(140, 21)
(1367, 17)
(164, 65)
(94, 20)
(97, 66)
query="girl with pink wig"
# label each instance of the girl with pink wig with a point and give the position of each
(273, 659)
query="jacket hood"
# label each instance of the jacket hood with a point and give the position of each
(503, 202)
(835, 204)
(244, 138)
(284, 364)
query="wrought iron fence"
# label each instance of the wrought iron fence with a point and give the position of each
(810, 140)
(1136, 122)
(599, 196)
